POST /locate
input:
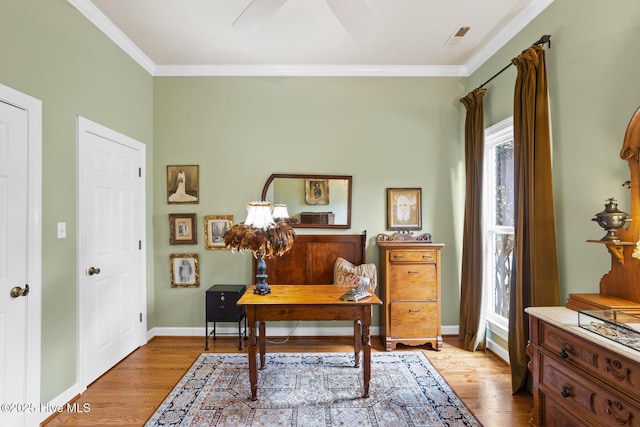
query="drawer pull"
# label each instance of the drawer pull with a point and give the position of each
(398, 257)
(427, 256)
(414, 310)
(566, 391)
(412, 272)
(431, 300)
(565, 349)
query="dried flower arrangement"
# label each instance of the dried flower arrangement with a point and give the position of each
(273, 241)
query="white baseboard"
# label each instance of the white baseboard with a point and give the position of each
(272, 331)
(450, 329)
(276, 331)
(60, 403)
(499, 351)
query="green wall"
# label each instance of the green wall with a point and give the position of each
(594, 89)
(386, 132)
(51, 52)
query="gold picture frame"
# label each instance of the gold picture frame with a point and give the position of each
(404, 208)
(214, 228)
(316, 191)
(183, 229)
(185, 272)
(183, 184)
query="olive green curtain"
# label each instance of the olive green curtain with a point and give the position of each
(472, 322)
(534, 274)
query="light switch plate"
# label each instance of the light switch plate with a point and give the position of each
(62, 230)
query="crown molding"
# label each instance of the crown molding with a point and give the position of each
(311, 70)
(506, 33)
(95, 16)
(104, 24)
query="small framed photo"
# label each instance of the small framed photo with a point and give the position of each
(214, 228)
(183, 184)
(316, 191)
(404, 208)
(184, 270)
(182, 229)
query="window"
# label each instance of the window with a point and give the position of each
(498, 214)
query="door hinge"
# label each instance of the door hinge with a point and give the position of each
(140, 244)
(140, 317)
(139, 172)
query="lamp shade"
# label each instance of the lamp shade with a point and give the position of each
(280, 211)
(259, 215)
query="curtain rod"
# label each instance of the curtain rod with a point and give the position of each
(544, 39)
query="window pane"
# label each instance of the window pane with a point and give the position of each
(503, 254)
(498, 226)
(503, 163)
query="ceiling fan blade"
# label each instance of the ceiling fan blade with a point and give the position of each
(355, 17)
(258, 11)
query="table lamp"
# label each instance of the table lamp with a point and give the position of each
(262, 235)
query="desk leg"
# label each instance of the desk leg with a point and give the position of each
(366, 347)
(357, 341)
(262, 343)
(251, 354)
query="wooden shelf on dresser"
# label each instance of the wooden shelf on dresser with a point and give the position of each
(410, 290)
(601, 302)
(579, 377)
(615, 248)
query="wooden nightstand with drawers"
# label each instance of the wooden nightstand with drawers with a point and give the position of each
(410, 290)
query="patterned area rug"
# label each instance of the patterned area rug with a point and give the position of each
(313, 389)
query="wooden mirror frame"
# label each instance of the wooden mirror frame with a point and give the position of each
(620, 287)
(347, 178)
(623, 280)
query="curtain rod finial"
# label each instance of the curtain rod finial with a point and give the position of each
(545, 39)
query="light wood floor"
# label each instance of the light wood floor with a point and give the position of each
(129, 393)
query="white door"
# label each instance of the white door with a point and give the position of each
(112, 316)
(20, 145)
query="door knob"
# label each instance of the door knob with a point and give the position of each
(17, 291)
(93, 270)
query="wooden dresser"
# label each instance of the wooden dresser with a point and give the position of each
(410, 290)
(579, 377)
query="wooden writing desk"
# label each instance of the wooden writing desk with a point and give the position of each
(306, 302)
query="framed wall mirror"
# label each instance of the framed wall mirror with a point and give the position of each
(316, 201)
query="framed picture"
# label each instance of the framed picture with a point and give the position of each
(182, 229)
(183, 184)
(316, 191)
(184, 270)
(404, 208)
(214, 228)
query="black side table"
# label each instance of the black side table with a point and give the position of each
(220, 306)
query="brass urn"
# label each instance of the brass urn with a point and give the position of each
(611, 219)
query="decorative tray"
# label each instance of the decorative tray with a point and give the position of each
(618, 326)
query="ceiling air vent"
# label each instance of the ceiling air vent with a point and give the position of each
(457, 36)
